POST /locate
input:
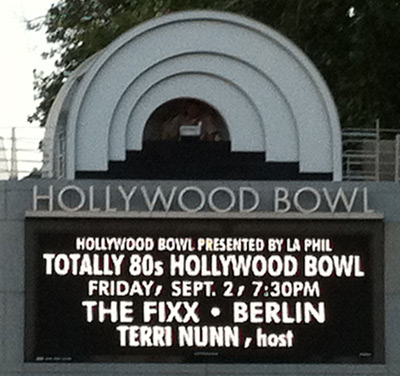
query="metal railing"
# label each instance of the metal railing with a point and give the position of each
(371, 154)
(20, 153)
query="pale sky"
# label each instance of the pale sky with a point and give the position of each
(20, 55)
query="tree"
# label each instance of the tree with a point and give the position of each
(354, 43)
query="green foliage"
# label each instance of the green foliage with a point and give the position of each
(354, 43)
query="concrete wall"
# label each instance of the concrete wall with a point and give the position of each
(16, 199)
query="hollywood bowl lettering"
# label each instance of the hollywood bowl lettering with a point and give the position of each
(193, 199)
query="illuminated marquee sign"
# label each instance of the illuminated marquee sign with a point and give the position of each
(204, 290)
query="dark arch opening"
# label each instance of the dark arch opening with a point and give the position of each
(185, 119)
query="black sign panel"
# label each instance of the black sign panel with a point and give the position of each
(204, 290)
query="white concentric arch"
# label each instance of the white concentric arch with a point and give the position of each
(308, 97)
(270, 108)
(171, 87)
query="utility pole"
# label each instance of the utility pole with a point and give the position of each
(4, 173)
(14, 167)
